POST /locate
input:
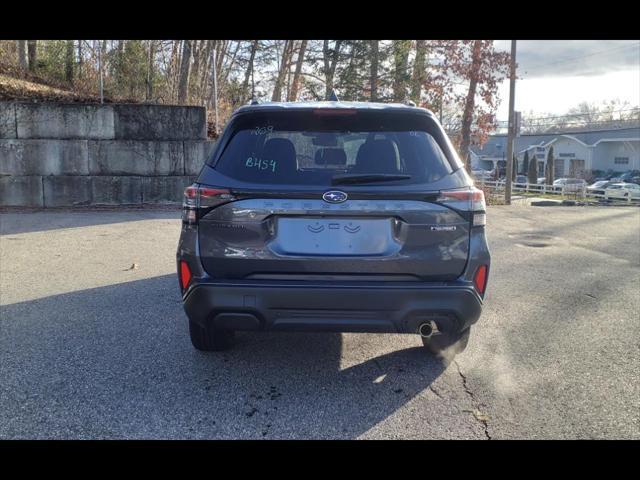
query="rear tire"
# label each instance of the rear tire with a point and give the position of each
(446, 344)
(209, 339)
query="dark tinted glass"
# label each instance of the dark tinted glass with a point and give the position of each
(309, 149)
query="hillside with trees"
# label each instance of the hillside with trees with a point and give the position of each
(457, 79)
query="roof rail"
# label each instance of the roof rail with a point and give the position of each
(410, 103)
(255, 101)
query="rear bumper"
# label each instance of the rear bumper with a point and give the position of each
(390, 308)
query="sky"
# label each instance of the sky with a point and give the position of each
(555, 75)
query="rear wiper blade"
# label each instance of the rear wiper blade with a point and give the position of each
(366, 178)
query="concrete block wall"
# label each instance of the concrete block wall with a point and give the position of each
(59, 155)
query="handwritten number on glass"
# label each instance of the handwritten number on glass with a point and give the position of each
(260, 164)
(262, 130)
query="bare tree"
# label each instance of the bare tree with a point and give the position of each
(374, 70)
(80, 59)
(221, 53)
(249, 70)
(197, 49)
(293, 93)
(150, 70)
(287, 52)
(185, 70)
(23, 60)
(32, 47)
(478, 63)
(202, 92)
(232, 61)
(469, 104)
(330, 59)
(401, 59)
(418, 74)
(68, 61)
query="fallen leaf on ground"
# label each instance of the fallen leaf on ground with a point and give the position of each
(481, 417)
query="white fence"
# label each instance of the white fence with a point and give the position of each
(572, 191)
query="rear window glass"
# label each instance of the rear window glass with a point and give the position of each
(310, 150)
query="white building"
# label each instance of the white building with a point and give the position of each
(576, 154)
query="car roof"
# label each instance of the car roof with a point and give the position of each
(367, 106)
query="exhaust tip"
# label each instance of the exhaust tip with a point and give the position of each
(427, 329)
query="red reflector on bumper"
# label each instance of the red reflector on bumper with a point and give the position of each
(480, 278)
(185, 274)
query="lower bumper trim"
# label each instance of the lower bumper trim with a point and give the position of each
(337, 308)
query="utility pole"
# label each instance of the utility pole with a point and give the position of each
(512, 124)
(215, 90)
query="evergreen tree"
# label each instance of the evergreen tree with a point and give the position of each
(550, 166)
(525, 163)
(514, 169)
(533, 170)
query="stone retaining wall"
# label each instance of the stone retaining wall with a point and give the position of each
(56, 155)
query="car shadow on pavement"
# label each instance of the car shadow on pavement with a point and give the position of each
(116, 362)
(14, 221)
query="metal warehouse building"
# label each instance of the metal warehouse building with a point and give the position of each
(577, 154)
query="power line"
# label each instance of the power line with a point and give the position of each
(561, 131)
(577, 122)
(622, 124)
(571, 59)
(573, 115)
(585, 114)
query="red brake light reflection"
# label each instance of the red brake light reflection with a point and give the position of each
(185, 274)
(480, 278)
(191, 192)
(213, 192)
(473, 195)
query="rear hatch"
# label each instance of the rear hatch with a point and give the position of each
(333, 195)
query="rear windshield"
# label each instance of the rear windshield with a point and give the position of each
(311, 149)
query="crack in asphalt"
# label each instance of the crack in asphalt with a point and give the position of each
(482, 418)
(435, 392)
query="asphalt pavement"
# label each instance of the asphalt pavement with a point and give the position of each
(94, 342)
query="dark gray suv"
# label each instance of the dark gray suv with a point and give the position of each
(333, 216)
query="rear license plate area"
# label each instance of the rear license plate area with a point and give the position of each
(334, 237)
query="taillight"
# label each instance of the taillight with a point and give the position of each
(199, 200)
(185, 274)
(468, 200)
(480, 278)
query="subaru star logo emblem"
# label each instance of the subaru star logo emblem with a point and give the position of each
(334, 196)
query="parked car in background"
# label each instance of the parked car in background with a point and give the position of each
(521, 180)
(598, 187)
(570, 184)
(542, 180)
(623, 191)
(628, 176)
(611, 180)
(482, 175)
